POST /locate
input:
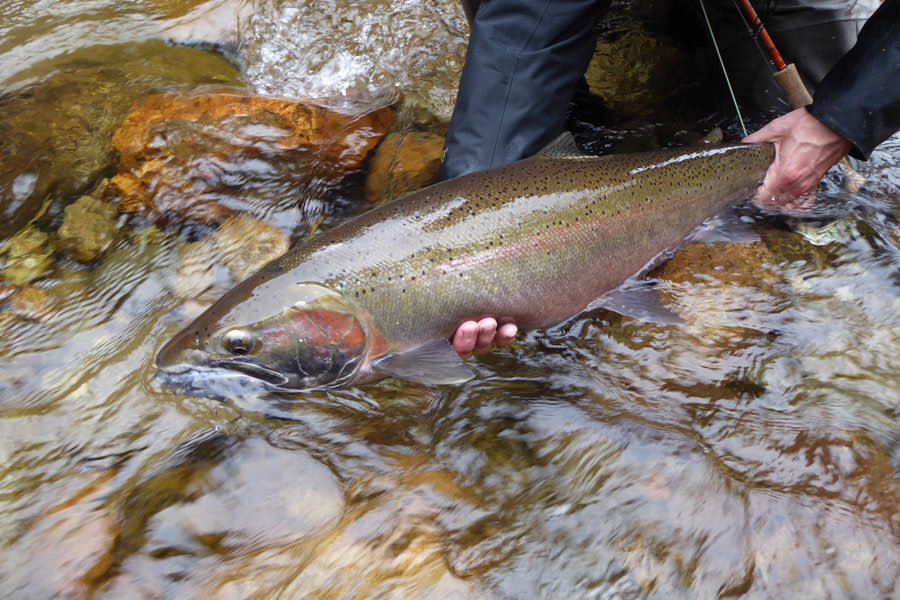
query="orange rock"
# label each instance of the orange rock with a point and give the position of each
(403, 163)
(206, 156)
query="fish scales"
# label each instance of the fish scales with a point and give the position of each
(535, 241)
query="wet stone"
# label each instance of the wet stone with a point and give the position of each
(239, 247)
(27, 256)
(723, 262)
(198, 274)
(403, 163)
(31, 303)
(75, 539)
(6, 290)
(654, 68)
(230, 496)
(209, 156)
(246, 245)
(88, 228)
(57, 127)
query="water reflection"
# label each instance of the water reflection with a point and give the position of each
(751, 451)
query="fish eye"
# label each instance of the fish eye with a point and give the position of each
(238, 341)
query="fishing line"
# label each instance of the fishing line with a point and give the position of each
(712, 36)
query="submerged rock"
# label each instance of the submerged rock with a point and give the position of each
(88, 228)
(6, 290)
(403, 163)
(32, 304)
(239, 247)
(245, 245)
(59, 116)
(635, 71)
(28, 256)
(209, 156)
(75, 538)
(726, 263)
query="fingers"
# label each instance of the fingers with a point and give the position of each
(487, 329)
(464, 339)
(506, 334)
(478, 337)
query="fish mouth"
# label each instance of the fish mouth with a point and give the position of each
(255, 370)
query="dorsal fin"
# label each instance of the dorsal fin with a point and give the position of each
(563, 146)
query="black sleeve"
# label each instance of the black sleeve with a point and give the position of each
(860, 96)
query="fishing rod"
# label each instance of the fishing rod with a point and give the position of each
(786, 75)
(788, 79)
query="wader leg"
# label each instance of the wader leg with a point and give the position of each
(524, 60)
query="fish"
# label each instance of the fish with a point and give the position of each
(534, 242)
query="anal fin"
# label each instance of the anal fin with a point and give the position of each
(638, 300)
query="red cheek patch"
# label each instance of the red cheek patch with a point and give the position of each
(330, 329)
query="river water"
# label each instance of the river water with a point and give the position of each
(750, 452)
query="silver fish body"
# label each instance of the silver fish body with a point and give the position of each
(535, 241)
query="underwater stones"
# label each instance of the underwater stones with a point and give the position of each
(75, 539)
(209, 156)
(32, 304)
(636, 71)
(641, 60)
(6, 290)
(724, 262)
(88, 228)
(28, 256)
(245, 245)
(403, 163)
(57, 124)
(239, 247)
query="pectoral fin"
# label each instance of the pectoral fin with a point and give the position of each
(638, 300)
(434, 363)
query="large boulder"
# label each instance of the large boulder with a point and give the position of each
(206, 156)
(59, 116)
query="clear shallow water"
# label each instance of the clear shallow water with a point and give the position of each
(751, 452)
(414, 48)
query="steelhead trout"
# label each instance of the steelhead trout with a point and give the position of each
(535, 241)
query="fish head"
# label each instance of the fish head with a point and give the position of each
(318, 341)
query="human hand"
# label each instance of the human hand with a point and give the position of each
(478, 337)
(805, 148)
